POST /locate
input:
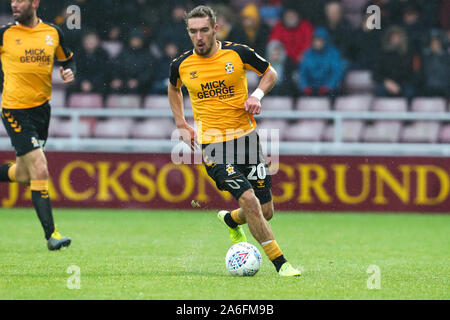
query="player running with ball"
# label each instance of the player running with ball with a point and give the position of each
(214, 73)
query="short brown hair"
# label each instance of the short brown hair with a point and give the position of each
(202, 12)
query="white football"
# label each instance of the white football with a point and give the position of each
(243, 259)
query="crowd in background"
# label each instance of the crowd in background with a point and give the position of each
(126, 46)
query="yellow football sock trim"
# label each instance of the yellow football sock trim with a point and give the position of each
(12, 172)
(39, 185)
(272, 250)
(236, 218)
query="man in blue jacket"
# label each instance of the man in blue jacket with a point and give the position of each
(322, 68)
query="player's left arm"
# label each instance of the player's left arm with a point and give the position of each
(68, 68)
(254, 62)
(68, 71)
(267, 82)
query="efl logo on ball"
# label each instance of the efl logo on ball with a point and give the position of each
(243, 259)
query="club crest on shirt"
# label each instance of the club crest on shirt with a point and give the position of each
(35, 142)
(229, 68)
(49, 40)
(230, 169)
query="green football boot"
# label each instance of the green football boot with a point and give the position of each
(237, 234)
(287, 270)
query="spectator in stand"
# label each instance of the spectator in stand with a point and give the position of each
(394, 73)
(415, 29)
(313, 11)
(322, 69)
(429, 10)
(251, 30)
(89, 12)
(225, 21)
(92, 61)
(365, 47)
(391, 10)
(436, 67)
(56, 13)
(294, 33)
(338, 27)
(161, 76)
(276, 54)
(174, 30)
(129, 75)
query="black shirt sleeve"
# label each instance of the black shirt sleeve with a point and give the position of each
(252, 60)
(63, 53)
(174, 74)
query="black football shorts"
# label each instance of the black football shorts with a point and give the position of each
(239, 165)
(27, 128)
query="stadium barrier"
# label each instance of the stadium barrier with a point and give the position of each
(336, 147)
(309, 183)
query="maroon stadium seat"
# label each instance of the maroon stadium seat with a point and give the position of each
(444, 134)
(156, 102)
(428, 105)
(153, 129)
(277, 103)
(57, 82)
(83, 100)
(390, 105)
(63, 128)
(187, 103)
(58, 99)
(132, 101)
(351, 131)
(383, 131)
(421, 132)
(424, 131)
(119, 128)
(252, 80)
(3, 132)
(359, 82)
(313, 104)
(266, 125)
(306, 130)
(386, 130)
(353, 103)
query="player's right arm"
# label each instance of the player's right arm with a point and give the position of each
(187, 133)
(177, 105)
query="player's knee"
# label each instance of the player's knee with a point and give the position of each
(39, 170)
(250, 203)
(22, 177)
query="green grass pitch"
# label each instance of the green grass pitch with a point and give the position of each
(131, 254)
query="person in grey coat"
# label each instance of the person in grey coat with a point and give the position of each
(436, 66)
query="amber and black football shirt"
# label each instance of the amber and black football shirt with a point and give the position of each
(217, 88)
(27, 56)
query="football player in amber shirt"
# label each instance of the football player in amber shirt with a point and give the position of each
(214, 74)
(28, 49)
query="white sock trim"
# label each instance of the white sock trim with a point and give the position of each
(266, 243)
